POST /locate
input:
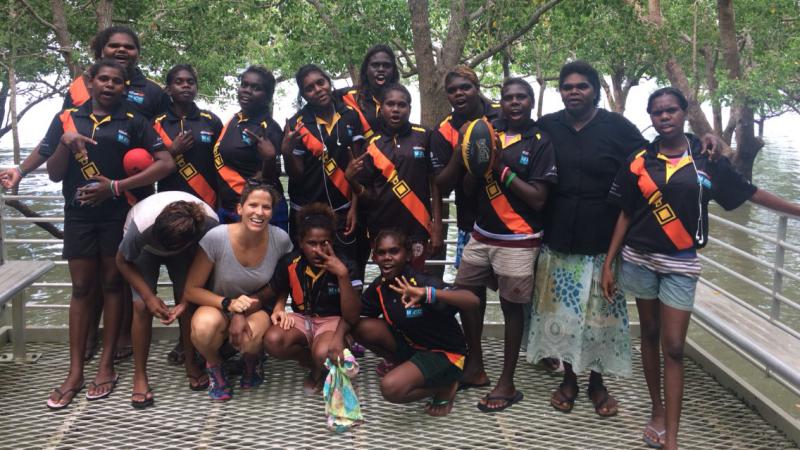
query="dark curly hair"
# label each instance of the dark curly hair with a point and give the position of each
(394, 233)
(267, 80)
(315, 215)
(103, 36)
(107, 62)
(585, 69)
(179, 224)
(363, 83)
(174, 71)
(669, 90)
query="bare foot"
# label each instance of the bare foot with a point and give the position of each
(442, 402)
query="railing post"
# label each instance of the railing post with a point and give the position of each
(2, 227)
(777, 277)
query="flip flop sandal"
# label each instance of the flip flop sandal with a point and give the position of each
(146, 403)
(462, 386)
(570, 401)
(433, 403)
(92, 384)
(602, 402)
(198, 386)
(651, 443)
(510, 400)
(175, 356)
(123, 353)
(57, 404)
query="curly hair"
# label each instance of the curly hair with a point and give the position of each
(174, 72)
(363, 83)
(267, 80)
(398, 235)
(103, 36)
(315, 215)
(107, 62)
(179, 224)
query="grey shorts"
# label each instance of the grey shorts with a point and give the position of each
(672, 289)
(506, 270)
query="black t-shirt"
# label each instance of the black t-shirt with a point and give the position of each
(324, 183)
(239, 152)
(314, 292)
(680, 198)
(115, 134)
(366, 107)
(578, 219)
(502, 214)
(398, 169)
(426, 326)
(197, 161)
(144, 95)
(445, 141)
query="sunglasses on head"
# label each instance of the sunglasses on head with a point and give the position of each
(257, 182)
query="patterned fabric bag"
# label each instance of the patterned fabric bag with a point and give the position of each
(341, 402)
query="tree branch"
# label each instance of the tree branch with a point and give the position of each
(508, 40)
(37, 16)
(409, 62)
(475, 15)
(334, 30)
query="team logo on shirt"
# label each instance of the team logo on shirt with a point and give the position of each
(419, 152)
(413, 311)
(333, 289)
(703, 179)
(136, 97)
(246, 139)
(205, 137)
(524, 158)
(123, 138)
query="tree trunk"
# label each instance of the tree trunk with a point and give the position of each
(3, 98)
(434, 105)
(710, 57)
(677, 77)
(12, 82)
(104, 13)
(747, 144)
(542, 88)
(64, 37)
(612, 103)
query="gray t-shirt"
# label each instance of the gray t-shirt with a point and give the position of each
(229, 278)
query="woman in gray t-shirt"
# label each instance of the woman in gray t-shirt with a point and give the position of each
(230, 273)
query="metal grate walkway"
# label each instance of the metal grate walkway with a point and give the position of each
(278, 415)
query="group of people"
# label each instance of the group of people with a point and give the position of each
(572, 203)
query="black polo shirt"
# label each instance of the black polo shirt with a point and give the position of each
(408, 152)
(578, 219)
(314, 292)
(502, 214)
(426, 326)
(680, 195)
(198, 160)
(145, 95)
(319, 181)
(240, 153)
(366, 106)
(445, 141)
(115, 134)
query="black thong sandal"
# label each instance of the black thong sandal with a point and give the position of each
(509, 401)
(570, 401)
(145, 402)
(198, 386)
(601, 402)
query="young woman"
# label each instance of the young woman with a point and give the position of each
(663, 193)
(248, 146)
(418, 333)
(85, 147)
(394, 178)
(378, 70)
(229, 281)
(189, 134)
(162, 230)
(317, 146)
(508, 229)
(324, 289)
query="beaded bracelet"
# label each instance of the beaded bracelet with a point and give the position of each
(21, 171)
(509, 179)
(430, 295)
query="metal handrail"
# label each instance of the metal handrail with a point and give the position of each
(774, 292)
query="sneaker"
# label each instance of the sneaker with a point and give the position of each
(253, 374)
(218, 388)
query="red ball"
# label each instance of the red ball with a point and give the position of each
(136, 160)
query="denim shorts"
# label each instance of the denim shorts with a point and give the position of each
(672, 289)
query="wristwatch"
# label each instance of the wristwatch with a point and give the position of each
(226, 304)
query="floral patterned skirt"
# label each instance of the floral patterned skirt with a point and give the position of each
(572, 321)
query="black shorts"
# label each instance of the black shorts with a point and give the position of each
(436, 367)
(149, 266)
(90, 238)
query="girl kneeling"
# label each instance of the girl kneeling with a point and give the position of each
(419, 331)
(232, 268)
(324, 289)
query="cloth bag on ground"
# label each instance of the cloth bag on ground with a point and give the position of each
(341, 402)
